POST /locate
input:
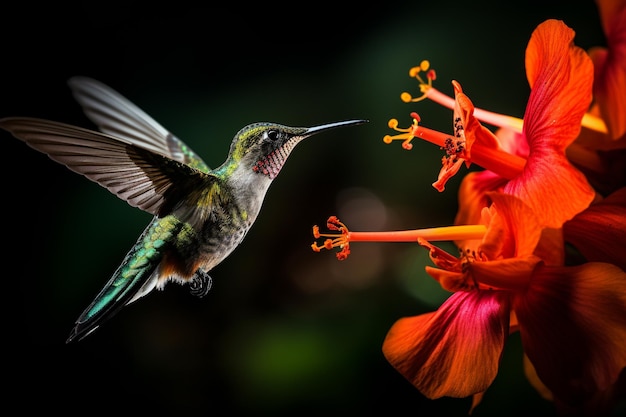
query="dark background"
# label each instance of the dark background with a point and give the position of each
(284, 330)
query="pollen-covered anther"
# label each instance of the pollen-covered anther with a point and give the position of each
(333, 240)
(454, 148)
(468, 281)
(407, 133)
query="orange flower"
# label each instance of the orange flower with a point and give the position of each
(514, 279)
(510, 275)
(571, 318)
(560, 77)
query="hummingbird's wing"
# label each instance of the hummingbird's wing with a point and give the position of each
(117, 116)
(141, 176)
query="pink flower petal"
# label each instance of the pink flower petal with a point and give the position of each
(454, 351)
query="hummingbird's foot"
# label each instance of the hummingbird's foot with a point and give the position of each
(200, 284)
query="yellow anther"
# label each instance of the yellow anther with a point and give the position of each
(424, 86)
(407, 133)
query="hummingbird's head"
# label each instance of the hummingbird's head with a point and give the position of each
(264, 147)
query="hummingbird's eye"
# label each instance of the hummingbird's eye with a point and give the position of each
(272, 134)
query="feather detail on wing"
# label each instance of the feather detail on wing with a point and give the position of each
(117, 116)
(147, 180)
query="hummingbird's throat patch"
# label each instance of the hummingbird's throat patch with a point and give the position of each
(271, 164)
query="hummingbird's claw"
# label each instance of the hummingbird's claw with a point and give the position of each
(200, 284)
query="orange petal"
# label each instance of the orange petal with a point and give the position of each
(553, 188)
(573, 329)
(596, 140)
(469, 133)
(605, 169)
(561, 76)
(610, 68)
(448, 170)
(449, 280)
(476, 400)
(474, 185)
(473, 197)
(599, 232)
(454, 351)
(512, 274)
(514, 229)
(531, 375)
(609, 10)
(468, 128)
(512, 142)
(551, 247)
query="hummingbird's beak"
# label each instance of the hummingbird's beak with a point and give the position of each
(317, 129)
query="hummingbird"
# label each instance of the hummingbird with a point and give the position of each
(200, 215)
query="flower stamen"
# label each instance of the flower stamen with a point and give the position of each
(495, 119)
(333, 240)
(424, 86)
(492, 158)
(345, 236)
(407, 133)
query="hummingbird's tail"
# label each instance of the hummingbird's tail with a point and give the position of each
(107, 303)
(135, 277)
